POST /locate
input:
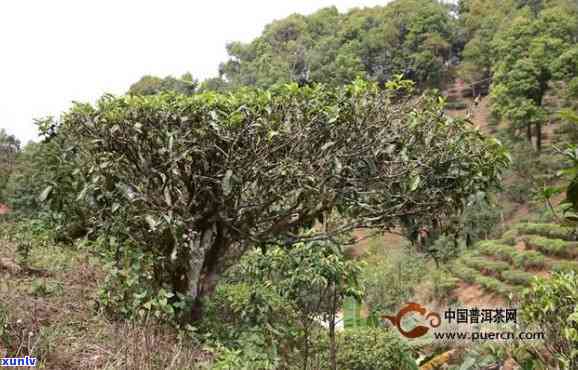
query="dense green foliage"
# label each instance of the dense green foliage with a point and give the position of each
(474, 276)
(167, 173)
(552, 304)
(408, 37)
(390, 280)
(526, 56)
(520, 259)
(150, 85)
(484, 264)
(554, 247)
(283, 300)
(547, 230)
(517, 277)
(565, 266)
(373, 349)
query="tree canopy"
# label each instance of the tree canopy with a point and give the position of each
(150, 85)
(407, 37)
(196, 181)
(525, 57)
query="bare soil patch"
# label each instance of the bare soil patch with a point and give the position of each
(474, 295)
(4, 209)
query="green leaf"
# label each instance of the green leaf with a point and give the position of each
(82, 193)
(415, 180)
(168, 198)
(327, 145)
(151, 222)
(338, 166)
(45, 194)
(227, 186)
(115, 207)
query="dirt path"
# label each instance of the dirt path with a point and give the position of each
(364, 239)
(480, 115)
(474, 295)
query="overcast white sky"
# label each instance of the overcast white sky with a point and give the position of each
(54, 52)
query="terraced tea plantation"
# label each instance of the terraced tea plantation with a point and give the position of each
(507, 265)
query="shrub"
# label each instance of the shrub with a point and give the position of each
(525, 259)
(485, 265)
(553, 247)
(253, 322)
(254, 353)
(565, 266)
(509, 237)
(493, 285)
(237, 307)
(284, 292)
(481, 217)
(547, 230)
(465, 273)
(528, 259)
(552, 304)
(4, 326)
(493, 248)
(390, 280)
(129, 289)
(372, 349)
(443, 283)
(517, 277)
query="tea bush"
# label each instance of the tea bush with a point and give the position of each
(285, 294)
(493, 248)
(484, 264)
(509, 237)
(520, 259)
(442, 283)
(552, 304)
(390, 279)
(553, 247)
(169, 172)
(373, 349)
(547, 230)
(493, 285)
(517, 277)
(465, 273)
(528, 259)
(565, 266)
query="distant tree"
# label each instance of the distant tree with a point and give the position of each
(9, 149)
(217, 84)
(565, 68)
(524, 56)
(479, 21)
(150, 85)
(408, 37)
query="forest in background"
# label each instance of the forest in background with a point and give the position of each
(267, 218)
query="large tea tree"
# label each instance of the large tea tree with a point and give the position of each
(197, 181)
